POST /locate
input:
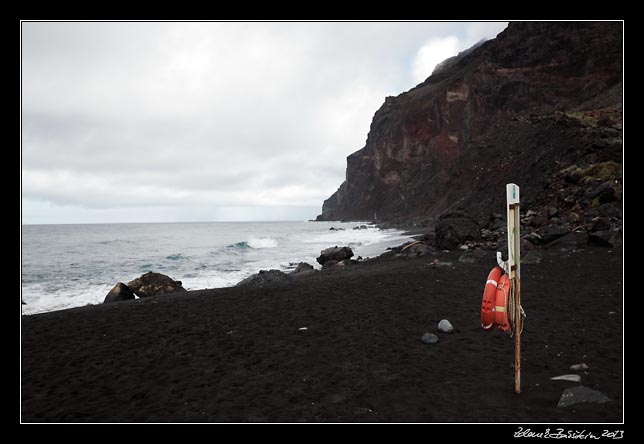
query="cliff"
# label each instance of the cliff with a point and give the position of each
(524, 107)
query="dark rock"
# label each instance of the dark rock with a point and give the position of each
(360, 227)
(551, 212)
(601, 224)
(336, 229)
(23, 302)
(591, 214)
(120, 292)
(604, 193)
(347, 262)
(609, 210)
(581, 394)
(574, 217)
(551, 232)
(386, 255)
(607, 195)
(329, 264)
(265, 277)
(574, 239)
(534, 238)
(416, 249)
(334, 254)
(303, 267)
(453, 229)
(429, 338)
(151, 284)
(497, 222)
(606, 238)
(573, 175)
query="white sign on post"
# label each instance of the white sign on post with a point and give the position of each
(514, 235)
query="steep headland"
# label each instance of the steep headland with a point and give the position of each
(531, 106)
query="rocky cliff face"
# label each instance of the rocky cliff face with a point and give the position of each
(538, 99)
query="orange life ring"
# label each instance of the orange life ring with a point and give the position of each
(501, 304)
(489, 298)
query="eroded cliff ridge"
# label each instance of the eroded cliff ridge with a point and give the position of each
(533, 104)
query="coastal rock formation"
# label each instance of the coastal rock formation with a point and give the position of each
(581, 395)
(303, 267)
(334, 254)
(416, 249)
(265, 277)
(540, 106)
(152, 284)
(453, 229)
(120, 292)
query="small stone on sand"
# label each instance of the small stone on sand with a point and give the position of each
(571, 378)
(578, 367)
(429, 338)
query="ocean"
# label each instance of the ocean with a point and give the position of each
(66, 266)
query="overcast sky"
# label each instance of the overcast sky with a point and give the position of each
(168, 122)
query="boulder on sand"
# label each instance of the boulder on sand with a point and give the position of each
(416, 249)
(551, 232)
(606, 238)
(265, 277)
(454, 228)
(445, 326)
(152, 284)
(579, 395)
(120, 292)
(334, 254)
(429, 338)
(303, 267)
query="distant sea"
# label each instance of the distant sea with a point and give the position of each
(66, 266)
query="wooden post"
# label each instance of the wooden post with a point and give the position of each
(517, 338)
(513, 265)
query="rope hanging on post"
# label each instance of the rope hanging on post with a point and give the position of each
(512, 306)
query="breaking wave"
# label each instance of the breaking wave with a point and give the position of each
(255, 243)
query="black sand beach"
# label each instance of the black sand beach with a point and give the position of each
(239, 354)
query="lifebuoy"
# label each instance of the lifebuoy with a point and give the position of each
(501, 304)
(489, 298)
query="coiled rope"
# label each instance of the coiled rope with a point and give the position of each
(514, 283)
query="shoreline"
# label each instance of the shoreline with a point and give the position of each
(235, 265)
(241, 354)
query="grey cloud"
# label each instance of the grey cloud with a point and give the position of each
(224, 114)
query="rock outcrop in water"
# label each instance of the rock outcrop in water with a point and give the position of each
(120, 292)
(152, 284)
(336, 254)
(539, 102)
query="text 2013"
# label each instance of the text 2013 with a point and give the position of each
(567, 434)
